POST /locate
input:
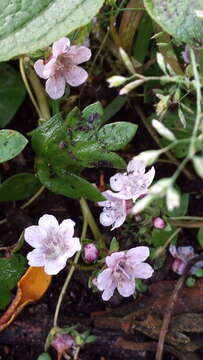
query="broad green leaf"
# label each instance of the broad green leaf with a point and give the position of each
(27, 25)
(116, 135)
(178, 18)
(11, 144)
(67, 184)
(44, 356)
(12, 93)
(19, 187)
(11, 270)
(159, 237)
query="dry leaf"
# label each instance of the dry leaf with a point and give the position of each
(30, 288)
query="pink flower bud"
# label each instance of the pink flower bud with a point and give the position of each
(63, 342)
(159, 223)
(91, 252)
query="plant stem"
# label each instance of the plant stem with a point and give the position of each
(161, 249)
(69, 276)
(23, 74)
(92, 224)
(40, 94)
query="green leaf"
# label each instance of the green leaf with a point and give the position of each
(67, 184)
(12, 93)
(19, 187)
(160, 236)
(11, 144)
(44, 356)
(27, 25)
(182, 209)
(11, 270)
(178, 18)
(114, 245)
(200, 237)
(114, 107)
(116, 135)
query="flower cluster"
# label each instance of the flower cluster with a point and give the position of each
(122, 270)
(182, 255)
(53, 243)
(62, 67)
(127, 187)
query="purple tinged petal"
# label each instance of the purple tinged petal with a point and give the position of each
(48, 222)
(126, 288)
(73, 245)
(39, 68)
(108, 292)
(55, 87)
(76, 75)
(138, 254)
(104, 279)
(54, 266)
(178, 266)
(66, 229)
(117, 181)
(149, 177)
(114, 258)
(60, 47)
(79, 54)
(35, 236)
(173, 250)
(137, 167)
(142, 271)
(185, 252)
(106, 218)
(119, 221)
(50, 68)
(36, 258)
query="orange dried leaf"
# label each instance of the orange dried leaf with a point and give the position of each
(30, 288)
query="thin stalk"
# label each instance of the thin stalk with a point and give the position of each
(69, 276)
(161, 249)
(26, 83)
(40, 94)
(92, 224)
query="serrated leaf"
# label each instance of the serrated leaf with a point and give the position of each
(11, 269)
(19, 187)
(11, 144)
(27, 25)
(12, 93)
(67, 184)
(178, 18)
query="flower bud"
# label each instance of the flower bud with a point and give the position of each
(91, 252)
(159, 223)
(116, 80)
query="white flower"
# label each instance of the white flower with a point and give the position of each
(134, 183)
(122, 270)
(53, 243)
(115, 210)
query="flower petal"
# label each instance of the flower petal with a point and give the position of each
(178, 266)
(39, 68)
(108, 293)
(106, 218)
(137, 167)
(119, 221)
(55, 87)
(143, 271)
(53, 266)
(149, 177)
(138, 254)
(79, 54)
(114, 258)
(117, 181)
(50, 68)
(104, 279)
(60, 47)
(48, 222)
(36, 258)
(34, 236)
(66, 229)
(76, 75)
(126, 288)
(73, 245)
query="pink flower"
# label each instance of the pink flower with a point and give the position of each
(53, 243)
(133, 183)
(63, 342)
(91, 252)
(122, 270)
(115, 210)
(62, 67)
(159, 223)
(182, 255)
